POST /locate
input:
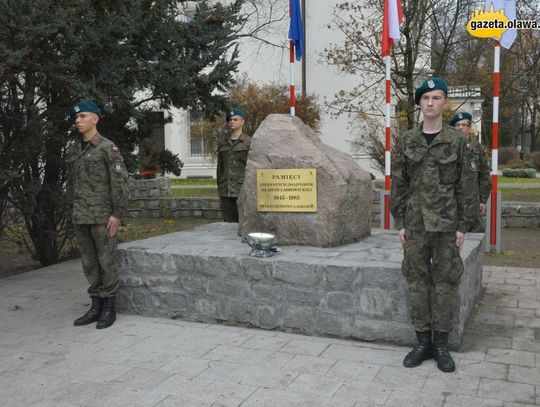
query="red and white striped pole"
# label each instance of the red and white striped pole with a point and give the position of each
(495, 144)
(388, 140)
(291, 71)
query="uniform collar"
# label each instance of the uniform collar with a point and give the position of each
(241, 137)
(95, 140)
(445, 136)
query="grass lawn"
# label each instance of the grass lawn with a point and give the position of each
(507, 180)
(197, 192)
(192, 182)
(521, 194)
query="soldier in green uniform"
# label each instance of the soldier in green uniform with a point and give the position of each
(479, 166)
(97, 185)
(232, 157)
(431, 201)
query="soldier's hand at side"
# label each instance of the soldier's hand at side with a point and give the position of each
(401, 234)
(483, 208)
(113, 225)
(460, 238)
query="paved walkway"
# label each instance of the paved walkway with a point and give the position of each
(139, 361)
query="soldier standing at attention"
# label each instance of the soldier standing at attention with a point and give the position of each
(431, 205)
(479, 167)
(232, 157)
(98, 187)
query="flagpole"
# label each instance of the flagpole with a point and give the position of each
(292, 94)
(387, 163)
(493, 238)
(291, 80)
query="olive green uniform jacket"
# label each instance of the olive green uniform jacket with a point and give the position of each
(433, 187)
(481, 169)
(98, 182)
(231, 166)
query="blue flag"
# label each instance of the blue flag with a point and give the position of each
(296, 30)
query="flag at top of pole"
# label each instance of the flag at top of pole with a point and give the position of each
(509, 7)
(296, 36)
(296, 31)
(392, 17)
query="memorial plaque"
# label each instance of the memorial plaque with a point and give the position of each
(287, 190)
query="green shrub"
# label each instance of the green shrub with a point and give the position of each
(519, 173)
(507, 154)
(519, 164)
(535, 159)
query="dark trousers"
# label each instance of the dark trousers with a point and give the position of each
(98, 252)
(229, 208)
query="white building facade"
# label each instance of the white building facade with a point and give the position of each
(264, 63)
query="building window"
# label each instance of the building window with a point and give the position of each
(196, 147)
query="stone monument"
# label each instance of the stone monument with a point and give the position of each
(343, 189)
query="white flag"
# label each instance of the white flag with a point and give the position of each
(509, 7)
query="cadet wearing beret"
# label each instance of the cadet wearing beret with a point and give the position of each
(479, 167)
(97, 186)
(232, 158)
(431, 201)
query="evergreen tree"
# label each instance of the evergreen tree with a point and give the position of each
(127, 56)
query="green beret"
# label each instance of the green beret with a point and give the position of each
(459, 117)
(84, 106)
(233, 112)
(434, 83)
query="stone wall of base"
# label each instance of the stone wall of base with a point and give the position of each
(352, 291)
(514, 214)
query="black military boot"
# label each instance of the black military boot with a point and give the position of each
(423, 350)
(92, 314)
(108, 315)
(440, 352)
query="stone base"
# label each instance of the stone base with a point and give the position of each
(351, 291)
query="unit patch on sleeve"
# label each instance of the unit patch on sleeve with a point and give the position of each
(118, 167)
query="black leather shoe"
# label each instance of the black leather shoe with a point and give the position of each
(91, 315)
(423, 350)
(440, 352)
(108, 314)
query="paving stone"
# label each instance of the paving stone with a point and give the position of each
(396, 378)
(483, 369)
(271, 398)
(304, 347)
(521, 374)
(361, 372)
(457, 383)
(363, 392)
(526, 344)
(511, 357)
(458, 400)
(351, 353)
(479, 342)
(266, 342)
(317, 385)
(309, 364)
(253, 357)
(508, 391)
(247, 374)
(404, 398)
(185, 366)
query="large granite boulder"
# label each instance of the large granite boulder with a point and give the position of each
(344, 191)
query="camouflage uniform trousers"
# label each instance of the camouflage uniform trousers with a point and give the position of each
(229, 208)
(432, 267)
(98, 253)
